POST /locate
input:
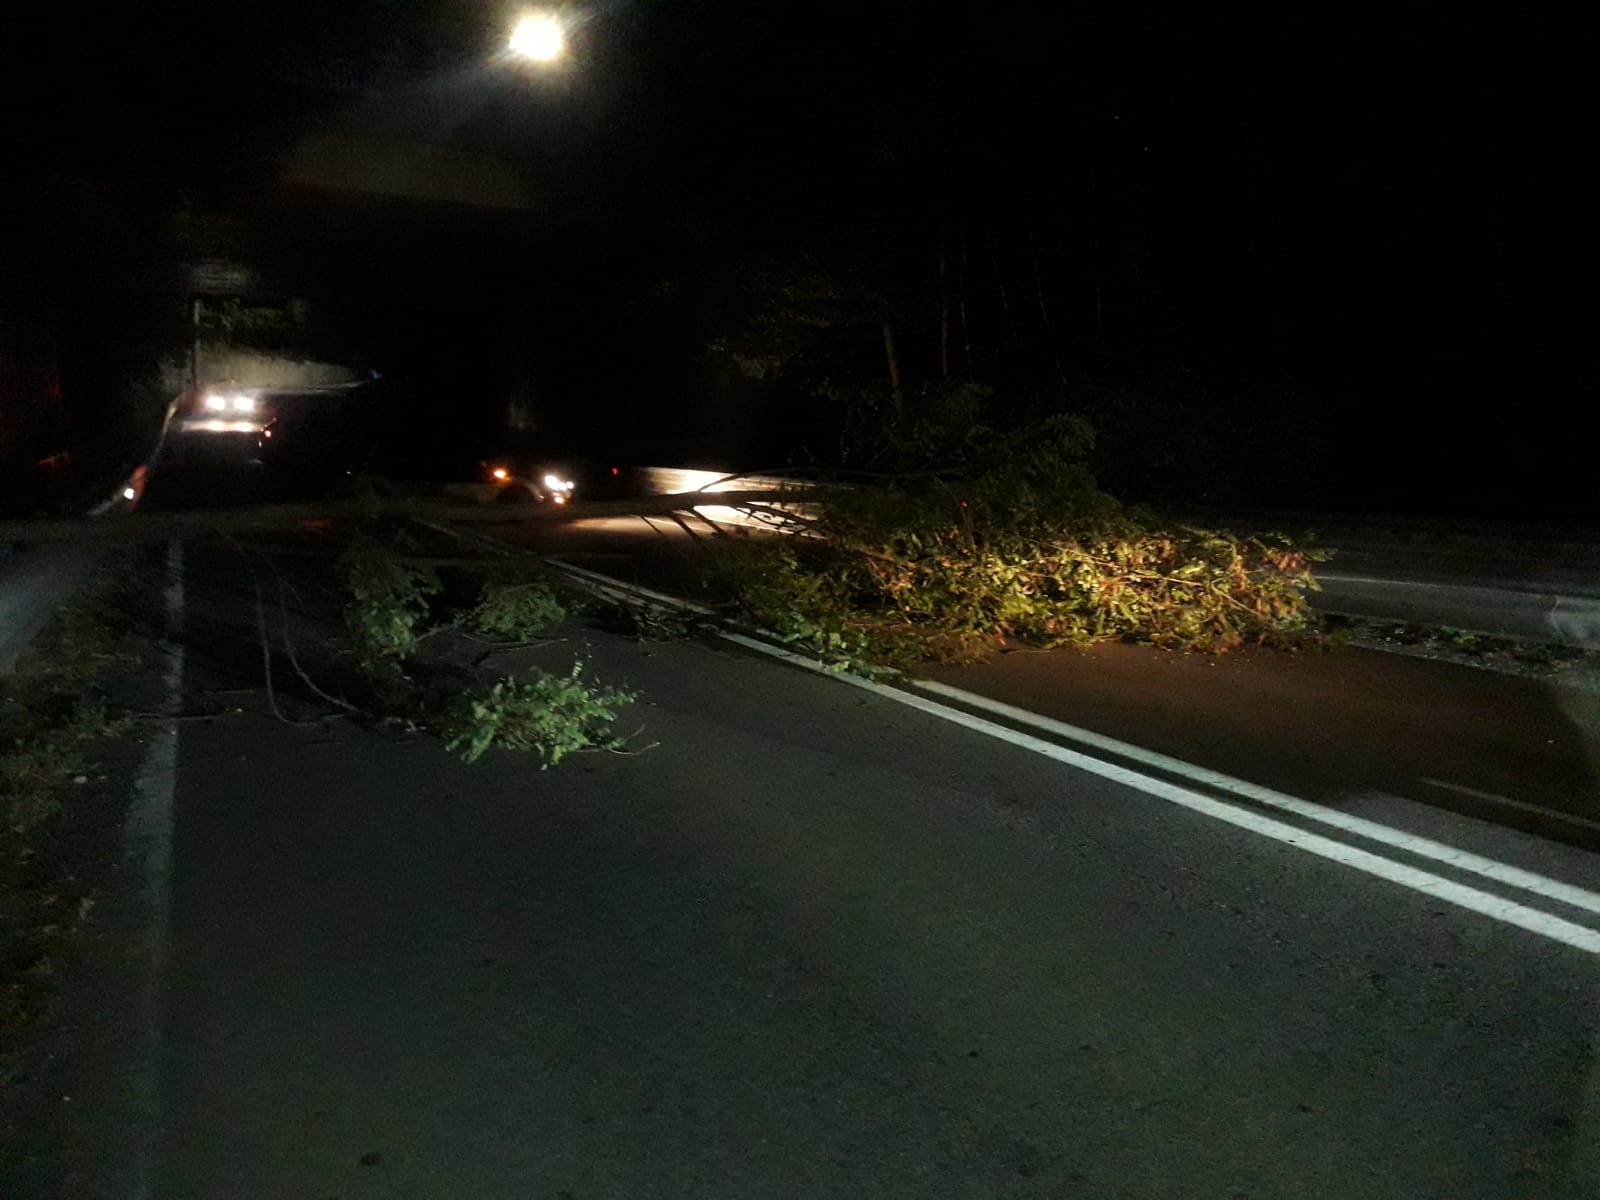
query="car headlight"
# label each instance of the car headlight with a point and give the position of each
(215, 403)
(557, 484)
(243, 403)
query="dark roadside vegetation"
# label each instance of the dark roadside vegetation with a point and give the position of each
(70, 713)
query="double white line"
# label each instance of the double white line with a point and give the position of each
(1438, 887)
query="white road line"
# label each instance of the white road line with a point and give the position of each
(147, 847)
(1450, 586)
(1492, 798)
(1496, 907)
(1461, 860)
(637, 589)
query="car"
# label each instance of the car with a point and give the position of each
(222, 409)
(515, 476)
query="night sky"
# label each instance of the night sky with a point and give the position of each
(1359, 227)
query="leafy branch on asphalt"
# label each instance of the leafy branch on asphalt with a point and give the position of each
(391, 607)
(516, 612)
(556, 715)
(387, 598)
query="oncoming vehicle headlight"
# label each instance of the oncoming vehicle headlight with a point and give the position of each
(557, 484)
(238, 402)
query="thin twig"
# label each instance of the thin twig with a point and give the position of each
(716, 531)
(294, 661)
(633, 752)
(261, 629)
(503, 647)
(231, 712)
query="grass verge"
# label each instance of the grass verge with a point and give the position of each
(57, 716)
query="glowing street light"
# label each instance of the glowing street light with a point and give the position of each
(539, 37)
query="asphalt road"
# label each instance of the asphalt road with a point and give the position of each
(812, 941)
(806, 942)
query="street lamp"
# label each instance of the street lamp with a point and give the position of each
(538, 37)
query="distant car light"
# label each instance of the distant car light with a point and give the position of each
(500, 473)
(128, 493)
(557, 484)
(214, 426)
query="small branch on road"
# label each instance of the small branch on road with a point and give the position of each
(294, 660)
(261, 630)
(187, 717)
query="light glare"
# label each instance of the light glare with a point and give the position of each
(538, 37)
(214, 426)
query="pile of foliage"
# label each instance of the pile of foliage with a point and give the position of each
(393, 604)
(966, 537)
(386, 599)
(553, 714)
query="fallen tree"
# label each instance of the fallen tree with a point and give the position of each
(1013, 542)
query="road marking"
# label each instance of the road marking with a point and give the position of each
(1340, 577)
(1498, 908)
(1492, 798)
(638, 589)
(1486, 903)
(147, 846)
(1462, 860)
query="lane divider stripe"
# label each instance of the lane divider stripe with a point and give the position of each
(1448, 891)
(1497, 908)
(635, 588)
(1461, 860)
